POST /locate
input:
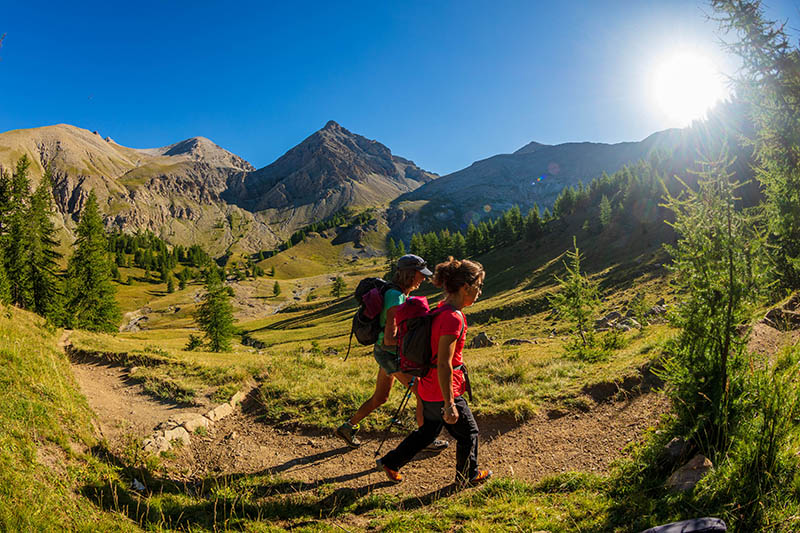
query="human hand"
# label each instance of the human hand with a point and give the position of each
(450, 414)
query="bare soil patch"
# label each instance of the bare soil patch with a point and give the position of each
(766, 340)
(587, 442)
(124, 410)
(241, 444)
(554, 441)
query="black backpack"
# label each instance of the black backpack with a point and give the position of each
(365, 328)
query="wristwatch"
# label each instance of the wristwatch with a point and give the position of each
(444, 409)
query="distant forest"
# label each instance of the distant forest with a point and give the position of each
(630, 197)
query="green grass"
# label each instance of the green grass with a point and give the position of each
(306, 382)
(45, 436)
(314, 257)
(168, 372)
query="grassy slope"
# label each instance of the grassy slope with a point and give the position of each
(308, 339)
(46, 428)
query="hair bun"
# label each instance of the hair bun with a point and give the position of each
(453, 274)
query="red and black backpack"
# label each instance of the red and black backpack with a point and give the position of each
(414, 335)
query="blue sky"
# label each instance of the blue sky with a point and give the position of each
(443, 83)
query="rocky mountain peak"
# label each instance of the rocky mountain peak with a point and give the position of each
(205, 150)
(531, 147)
(331, 169)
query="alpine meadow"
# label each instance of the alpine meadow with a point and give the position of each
(599, 336)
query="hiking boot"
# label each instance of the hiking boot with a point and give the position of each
(347, 432)
(481, 477)
(393, 475)
(437, 446)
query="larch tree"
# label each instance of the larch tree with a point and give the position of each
(577, 297)
(215, 313)
(769, 81)
(90, 295)
(44, 256)
(17, 237)
(338, 287)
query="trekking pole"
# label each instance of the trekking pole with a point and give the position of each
(396, 416)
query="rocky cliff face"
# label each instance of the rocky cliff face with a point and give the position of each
(196, 192)
(174, 191)
(331, 169)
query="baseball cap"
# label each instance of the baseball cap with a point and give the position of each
(413, 262)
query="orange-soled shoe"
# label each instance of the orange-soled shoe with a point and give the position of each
(481, 477)
(393, 475)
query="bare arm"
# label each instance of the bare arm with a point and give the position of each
(390, 329)
(444, 366)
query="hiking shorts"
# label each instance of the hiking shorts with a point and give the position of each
(388, 361)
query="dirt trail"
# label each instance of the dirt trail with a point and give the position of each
(241, 445)
(585, 442)
(122, 406)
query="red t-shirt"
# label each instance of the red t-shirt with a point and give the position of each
(447, 322)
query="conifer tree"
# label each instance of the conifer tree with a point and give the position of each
(276, 289)
(505, 229)
(605, 211)
(170, 284)
(47, 295)
(459, 245)
(90, 295)
(515, 222)
(17, 244)
(338, 287)
(485, 237)
(215, 313)
(721, 272)
(445, 240)
(417, 246)
(577, 297)
(391, 250)
(432, 248)
(768, 81)
(5, 292)
(565, 202)
(401, 249)
(164, 271)
(473, 240)
(5, 201)
(533, 224)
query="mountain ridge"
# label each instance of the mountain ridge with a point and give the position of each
(195, 192)
(351, 169)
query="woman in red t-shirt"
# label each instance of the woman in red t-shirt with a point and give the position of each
(442, 389)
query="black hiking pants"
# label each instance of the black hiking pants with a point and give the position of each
(465, 431)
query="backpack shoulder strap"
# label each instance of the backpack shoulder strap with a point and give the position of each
(459, 313)
(463, 323)
(388, 286)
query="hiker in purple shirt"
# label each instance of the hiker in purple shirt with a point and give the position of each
(411, 271)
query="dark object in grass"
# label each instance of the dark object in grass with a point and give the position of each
(517, 342)
(695, 525)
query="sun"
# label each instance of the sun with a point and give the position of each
(686, 85)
